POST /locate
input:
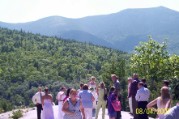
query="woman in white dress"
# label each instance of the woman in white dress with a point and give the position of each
(163, 103)
(93, 88)
(60, 97)
(47, 102)
(92, 83)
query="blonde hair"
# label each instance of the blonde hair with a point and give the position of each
(129, 78)
(102, 83)
(93, 77)
(164, 94)
(115, 76)
(73, 91)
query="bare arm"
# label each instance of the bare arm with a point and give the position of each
(42, 100)
(82, 110)
(65, 108)
(51, 98)
(152, 103)
(97, 86)
(57, 96)
(93, 99)
(97, 91)
(168, 105)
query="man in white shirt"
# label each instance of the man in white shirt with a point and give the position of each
(142, 98)
(37, 100)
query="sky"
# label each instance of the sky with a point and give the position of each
(19, 11)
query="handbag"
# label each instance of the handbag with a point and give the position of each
(116, 105)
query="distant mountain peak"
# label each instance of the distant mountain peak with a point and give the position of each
(123, 29)
(159, 8)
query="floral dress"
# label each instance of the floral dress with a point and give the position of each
(74, 108)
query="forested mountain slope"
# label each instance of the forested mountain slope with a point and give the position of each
(28, 60)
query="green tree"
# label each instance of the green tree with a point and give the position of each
(150, 59)
(28, 60)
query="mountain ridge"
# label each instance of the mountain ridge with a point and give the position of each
(116, 29)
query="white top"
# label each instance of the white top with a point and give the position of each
(61, 96)
(161, 108)
(37, 98)
(142, 94)
(92, 85)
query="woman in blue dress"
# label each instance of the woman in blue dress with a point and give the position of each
(72, 107)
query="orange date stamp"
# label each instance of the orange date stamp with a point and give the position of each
(151, 111)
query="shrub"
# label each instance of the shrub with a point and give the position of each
(17, 114)
(1, 110)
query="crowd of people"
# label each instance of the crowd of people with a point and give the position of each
(139, 94)
(91, 97)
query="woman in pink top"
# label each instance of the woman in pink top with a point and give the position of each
(92, 83)
(93, 88)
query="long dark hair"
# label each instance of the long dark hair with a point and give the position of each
(112, 89)
(68, 92)
(46, 90)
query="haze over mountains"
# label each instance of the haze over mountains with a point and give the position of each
(122, 30)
